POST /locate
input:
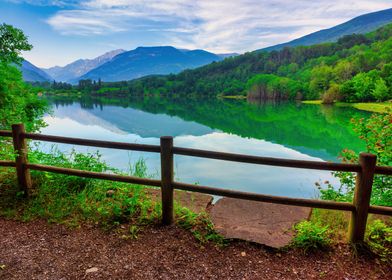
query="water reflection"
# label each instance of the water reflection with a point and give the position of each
(277, 130)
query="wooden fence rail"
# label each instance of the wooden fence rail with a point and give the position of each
(360, 208)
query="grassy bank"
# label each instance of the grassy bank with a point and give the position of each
(128, 209)
(74, 201)
(381, 107)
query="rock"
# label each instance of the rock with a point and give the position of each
(91, 270)
(265, 223)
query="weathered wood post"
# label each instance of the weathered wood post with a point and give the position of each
(167, 179)
(20, 147)
(362, 193)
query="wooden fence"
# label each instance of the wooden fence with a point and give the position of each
(360, 207)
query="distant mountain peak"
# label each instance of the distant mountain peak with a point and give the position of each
(80, 66)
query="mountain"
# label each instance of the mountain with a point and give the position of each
(144, 61)
(32, 73)
(80, 67)
(360, 25)
(225, 55)
(356, 68)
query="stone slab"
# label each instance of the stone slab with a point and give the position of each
(196, 202)
(265, 223)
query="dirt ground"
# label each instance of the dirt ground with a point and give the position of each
(36, 250)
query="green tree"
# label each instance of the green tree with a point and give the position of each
(18, 101)
(381, 91)
(12, 42)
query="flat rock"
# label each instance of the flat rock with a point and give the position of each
(265, 223)
(196, 202)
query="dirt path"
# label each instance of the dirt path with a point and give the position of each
(36, 250)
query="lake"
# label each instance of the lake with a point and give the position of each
(283, 130)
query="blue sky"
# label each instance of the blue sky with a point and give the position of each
(62, 31)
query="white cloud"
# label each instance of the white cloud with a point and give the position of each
(229, 25)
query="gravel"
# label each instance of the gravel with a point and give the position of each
(37, 250)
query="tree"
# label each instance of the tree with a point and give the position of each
(18, 101)
(12, 42)
(380, 91)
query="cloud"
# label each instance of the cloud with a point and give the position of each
(229, 25)
(57, 3)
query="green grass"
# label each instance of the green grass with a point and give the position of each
(327, 227)
(311, 236)
(370, 107)
(74, 201)
(379, 107)
(317, 102)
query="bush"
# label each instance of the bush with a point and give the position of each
(379, 239)
(311, 236)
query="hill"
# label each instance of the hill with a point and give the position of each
(144, 61)
(80, 67)
(359, 25)
(32, 73)
(356, 68)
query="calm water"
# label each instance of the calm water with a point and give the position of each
(285, 130)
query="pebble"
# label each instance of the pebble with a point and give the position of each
(93, 269)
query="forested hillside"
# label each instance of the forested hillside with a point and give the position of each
(355, 68)
(359, 25)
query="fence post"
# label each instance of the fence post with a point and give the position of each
(167, 179)
(20, 147)
(362, 193)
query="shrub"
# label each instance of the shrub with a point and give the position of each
(311, 236)
(379, 239)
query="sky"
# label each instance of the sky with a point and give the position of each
(62, 31)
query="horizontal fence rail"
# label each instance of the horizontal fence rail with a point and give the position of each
(7, 163)
(93, 143)
(320, 165)
(95, 175)
(5, 133)
(366, 169)
(266, 198)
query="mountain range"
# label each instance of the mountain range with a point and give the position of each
(120, 65)
(144, 61)
(80, 67)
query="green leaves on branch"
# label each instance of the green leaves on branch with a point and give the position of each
(12, 42)
(18, 101)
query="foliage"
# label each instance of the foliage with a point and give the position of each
(337, 222)
(379, 238)
(377, 134)
(12, 42)
(381, 90)
(311, 236)
(199, 224)
(18, 101)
